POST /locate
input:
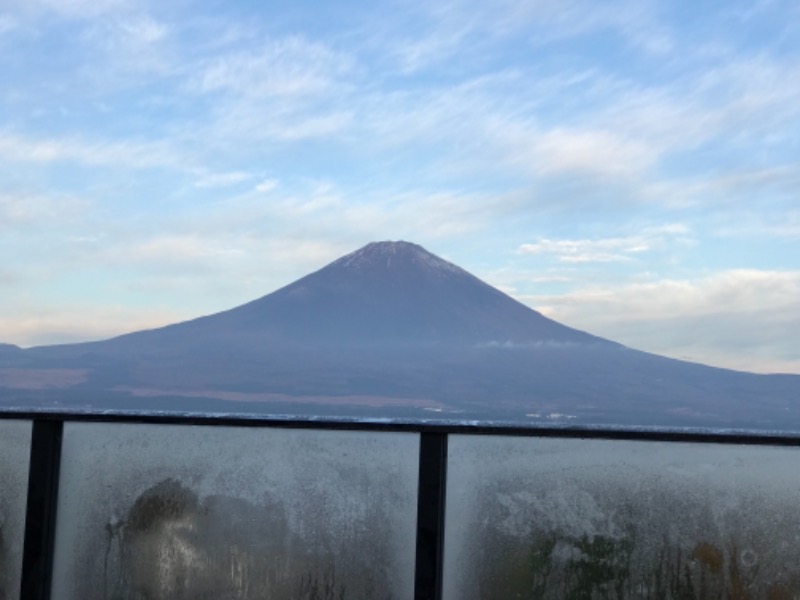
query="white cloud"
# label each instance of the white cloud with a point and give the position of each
(745, 319)
(281, 118)
(39, 325)
(306, 127)
(131, 154)
(594, 152)
(144, 30)
(266, 186)
(618, 249)
(221, 180)
(174, 248)
(783, 225)
(215, 274)
(724, 292)
(322, 209)
(289, 66)
(129, 43)
(460, 27)
(7, 23)
(743, 186)
(29, 210)
(79, 9)
(420, 53)
(738, 99)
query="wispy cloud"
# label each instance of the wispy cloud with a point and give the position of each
(746, 187)
(284, 91)
(180, 249)
(7, 23)
(601, 153)
(610, 249)
(79, 9)
(221, 180)
(30, 210)
(144, 30)
(131, 154)
(463, 29)
(783, 225)
(748, 310)
(133, 45)
(266, 186)
(290, 66)
(42, 325)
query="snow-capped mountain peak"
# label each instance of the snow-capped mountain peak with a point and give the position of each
(387, 253)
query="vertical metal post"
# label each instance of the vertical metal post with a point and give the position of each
(40, 518)
(430, 516)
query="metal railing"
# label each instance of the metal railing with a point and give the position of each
(45, 461)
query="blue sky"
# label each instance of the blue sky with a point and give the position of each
(630, 168)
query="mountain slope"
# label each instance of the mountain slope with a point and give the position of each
(393, 329)
(384, 294)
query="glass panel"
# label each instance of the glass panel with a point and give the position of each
(15, 450)
(583, 519)
(157, 512)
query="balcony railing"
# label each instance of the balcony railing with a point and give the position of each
(146, 506)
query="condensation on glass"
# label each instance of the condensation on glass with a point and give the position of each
(15, 449)
(539, 518)
(178, 512)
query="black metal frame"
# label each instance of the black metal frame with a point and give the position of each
(45, 462)
(40, 515)
(430, 516)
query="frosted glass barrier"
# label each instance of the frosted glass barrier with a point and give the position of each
(15, 450)
(156, 512)
(588, 519)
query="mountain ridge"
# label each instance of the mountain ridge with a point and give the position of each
(364, 298)
(391, 329)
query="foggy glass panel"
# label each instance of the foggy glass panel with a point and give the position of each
(15, 448)
(162, 512)
(545, 518)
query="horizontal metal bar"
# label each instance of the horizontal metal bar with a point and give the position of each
(502, 428)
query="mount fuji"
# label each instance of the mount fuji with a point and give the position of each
(392, 330)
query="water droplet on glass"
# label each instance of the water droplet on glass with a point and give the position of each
(749, 558)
